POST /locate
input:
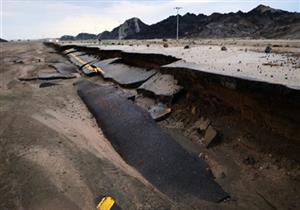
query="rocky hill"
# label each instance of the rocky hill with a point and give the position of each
(128, 28)
(80, 36)
(67, 37)
(260, 22)
(3, 40)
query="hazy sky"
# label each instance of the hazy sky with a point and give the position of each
(52, 18)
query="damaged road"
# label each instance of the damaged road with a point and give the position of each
(142, 144)
(214, 136)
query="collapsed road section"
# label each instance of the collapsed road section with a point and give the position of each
(207, 107)
(270, 102)
(142, 144)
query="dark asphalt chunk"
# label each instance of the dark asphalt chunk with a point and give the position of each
(104, 63)
(64, 68)
(144, 102)
(47, 84)
(28, 78)
(88, 58)
(159, 111)
(73, 57)
(145, 146)
(75, 61)
(48, 76)
(123, 74)
(84, 61)
(127, 75)
(161, 85)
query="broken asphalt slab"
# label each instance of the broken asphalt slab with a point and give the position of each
(64, 68)
(146, 147)
(105, 62)
(84, 61)
(75, 58)
(48, 76)
(210, 137)
(159, 111)
(88, 58)
(127, 75)
(123, 74)
(161, 85)
(71, 50)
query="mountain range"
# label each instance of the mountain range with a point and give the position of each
(260, 22)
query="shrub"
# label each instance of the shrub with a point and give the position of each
(223, 48)
(268, 49)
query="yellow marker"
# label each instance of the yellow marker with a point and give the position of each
(106, 203)
(78, 59)
(98, 69)
(88, 66)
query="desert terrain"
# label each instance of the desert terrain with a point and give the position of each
(55, 154)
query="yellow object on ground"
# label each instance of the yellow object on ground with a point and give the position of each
(106, 203)
(88, 66)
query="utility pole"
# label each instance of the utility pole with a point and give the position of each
(177, 32)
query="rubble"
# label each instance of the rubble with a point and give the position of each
(161, 85)
(210, 137)
(159, 111)
(202, 124)
(144, 102)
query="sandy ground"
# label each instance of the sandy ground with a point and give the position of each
(54, 156)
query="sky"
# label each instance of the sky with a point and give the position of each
(34, 19)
